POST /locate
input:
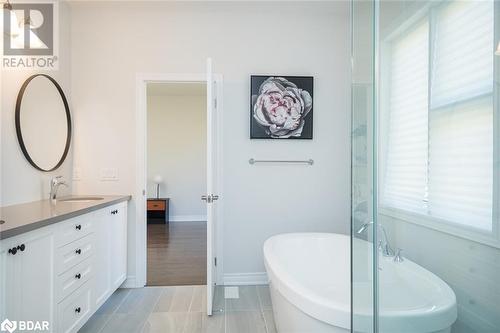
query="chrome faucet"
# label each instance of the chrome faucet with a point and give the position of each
(54, 186)
(383, 245)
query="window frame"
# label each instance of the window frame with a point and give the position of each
(403, 24)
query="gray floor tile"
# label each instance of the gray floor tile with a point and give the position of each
(219, 301)
(245, 322)
(248, 301)
(95, 323)
(163, 322)
(199, 322)
(175, 299)
(183, 309)
(199, 299)
(113, 302)
(165, 300)
(264, 297)
(269, 320)
(140, 300)
(125, 323)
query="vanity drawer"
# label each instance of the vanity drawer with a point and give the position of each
(73, 279)
(74, 253)
(74, 229)
(74, 310)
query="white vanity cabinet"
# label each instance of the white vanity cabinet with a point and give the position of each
(111, 252)
(27, 277)
(63, 272)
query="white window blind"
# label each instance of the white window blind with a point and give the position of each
(462, 65)
(439, 154)
(461, 115)
(406, 167)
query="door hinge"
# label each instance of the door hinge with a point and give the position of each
(215, 261)
(215, 103)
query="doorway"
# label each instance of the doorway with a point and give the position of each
(214, 184)
(176, 180)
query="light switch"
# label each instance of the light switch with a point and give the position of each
(109, 174)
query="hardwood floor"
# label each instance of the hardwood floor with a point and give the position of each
(177, 254)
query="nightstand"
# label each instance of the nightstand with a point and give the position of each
(158, 210)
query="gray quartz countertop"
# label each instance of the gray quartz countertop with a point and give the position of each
(21, 218)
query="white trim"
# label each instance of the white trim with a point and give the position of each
(130, 282)
(188, 218)
(245, 279)
(142, 79)
(441, 226)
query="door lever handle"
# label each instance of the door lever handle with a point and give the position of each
(209, 198)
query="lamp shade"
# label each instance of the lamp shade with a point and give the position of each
(158, 179)
(497, 52)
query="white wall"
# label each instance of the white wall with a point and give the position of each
(112, 42)
(177, 152)
(20, 182)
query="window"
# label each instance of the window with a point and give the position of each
(438, 151)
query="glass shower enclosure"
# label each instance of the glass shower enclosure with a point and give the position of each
(425, 166)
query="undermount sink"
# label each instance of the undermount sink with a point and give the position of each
(81, 199)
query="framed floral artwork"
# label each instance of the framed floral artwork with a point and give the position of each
(281, 107)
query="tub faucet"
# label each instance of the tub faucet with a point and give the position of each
(383, 245)
(54, 186)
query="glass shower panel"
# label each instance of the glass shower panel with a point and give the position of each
(363, 305)
(437, 153)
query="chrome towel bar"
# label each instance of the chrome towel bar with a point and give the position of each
(252, 161)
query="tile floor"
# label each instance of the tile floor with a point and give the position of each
(182, 309)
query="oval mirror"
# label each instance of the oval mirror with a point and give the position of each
(43, 122)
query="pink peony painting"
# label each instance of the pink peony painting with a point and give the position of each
(281, 107)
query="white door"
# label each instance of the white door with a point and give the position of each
(212, 196)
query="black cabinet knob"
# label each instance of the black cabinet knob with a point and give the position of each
(78, 251)
(13, 251)
(78, 227)
(113, 212)
(78, 276)
(21, 247)
(78, 309)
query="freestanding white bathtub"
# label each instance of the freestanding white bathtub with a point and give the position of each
(310, 276)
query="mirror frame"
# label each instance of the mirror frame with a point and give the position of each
(18, 122)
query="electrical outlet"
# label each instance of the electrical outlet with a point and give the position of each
(109, 174)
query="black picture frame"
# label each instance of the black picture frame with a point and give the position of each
(295, 87)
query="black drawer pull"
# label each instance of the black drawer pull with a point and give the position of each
(13, 251)
(78, 276)
(78, 309)
(21, 247)
(78, 227)
(113, 212)
(78, 251)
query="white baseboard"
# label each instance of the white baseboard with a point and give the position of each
(130, 282)
(245, 279)
(188, 218)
